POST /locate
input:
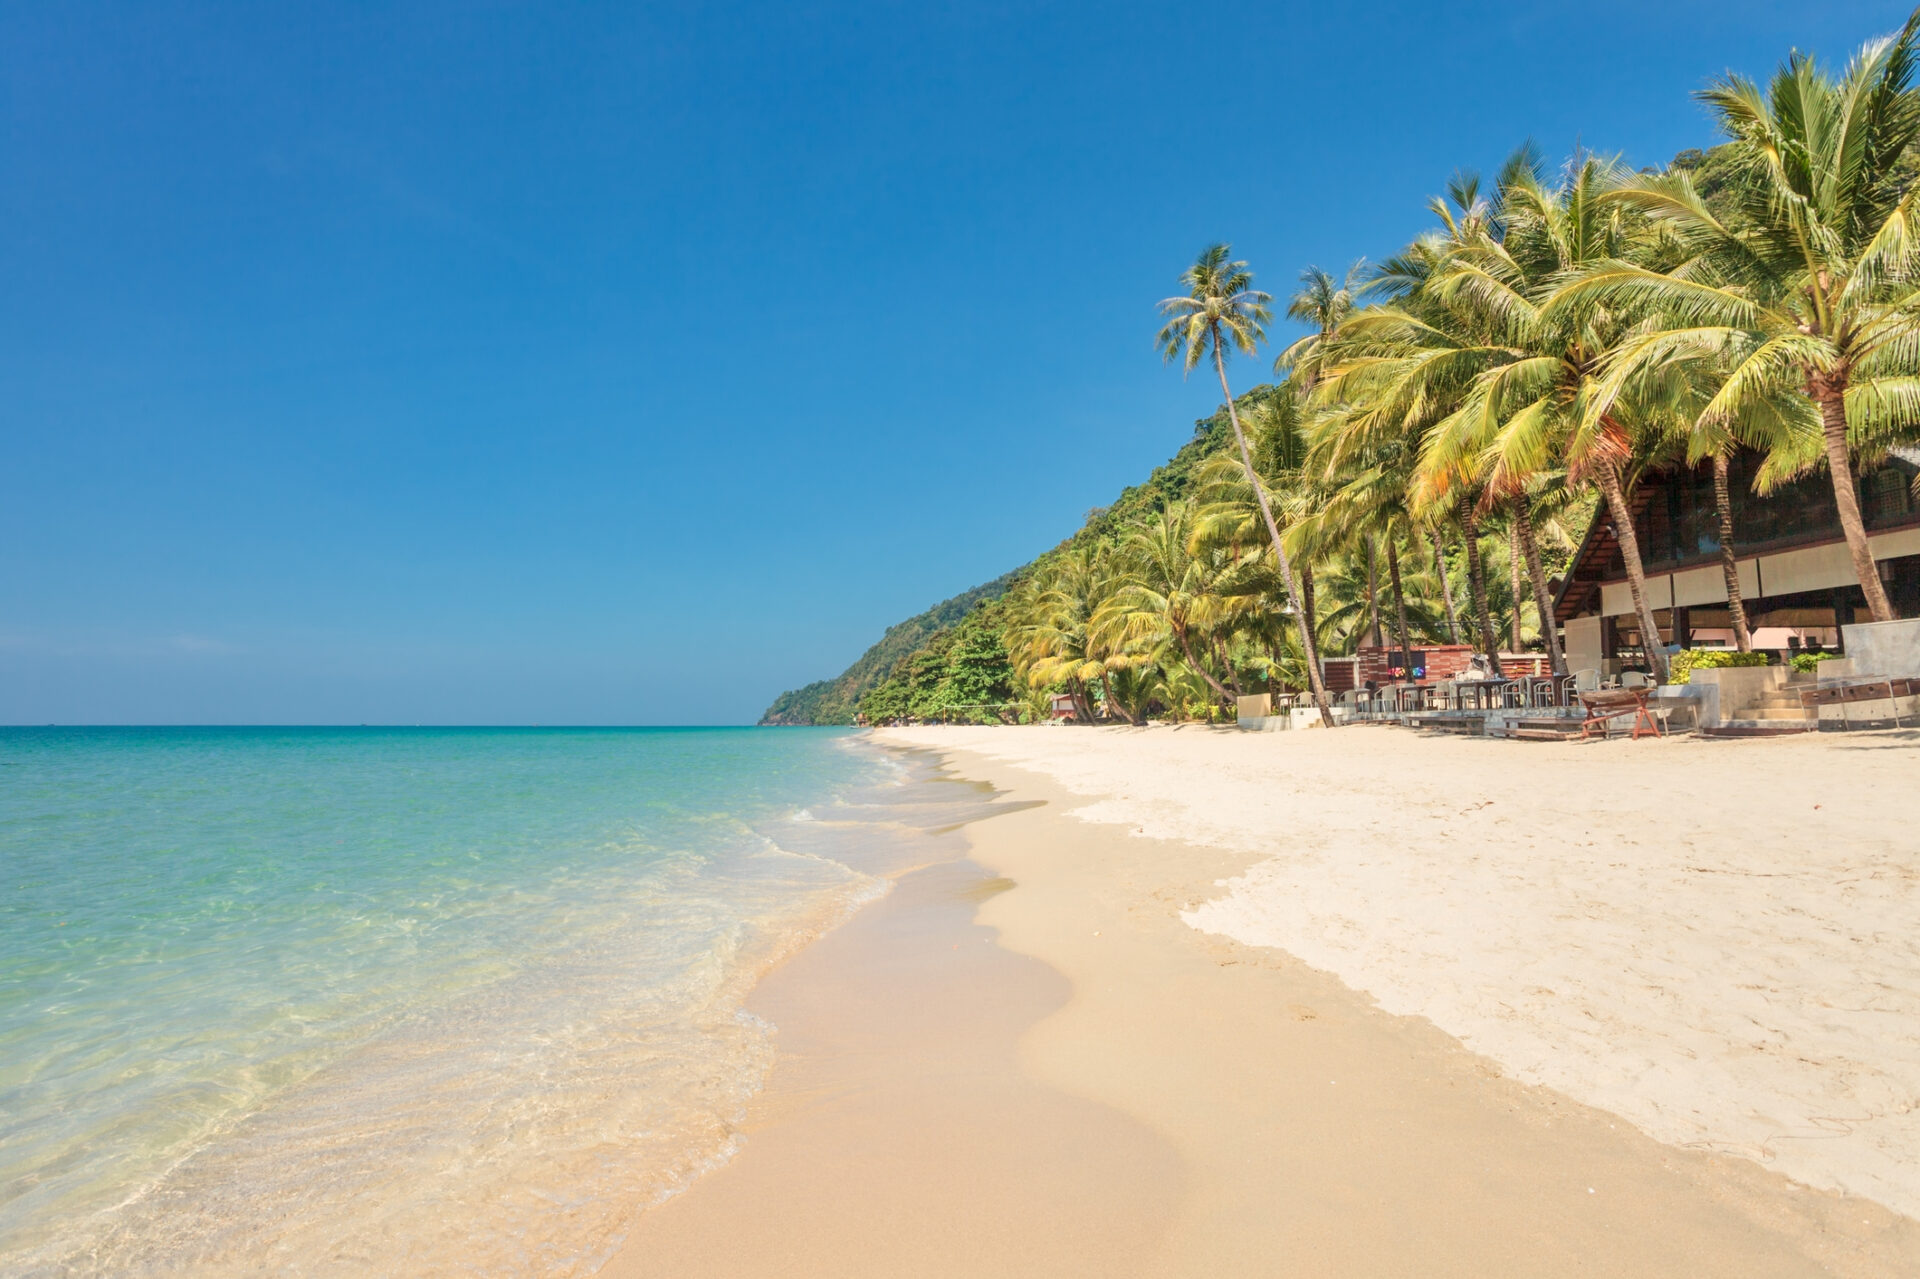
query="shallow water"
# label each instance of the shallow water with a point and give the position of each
(405, 1001)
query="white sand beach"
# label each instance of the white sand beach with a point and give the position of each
(1455, 1042)
(1718, 941)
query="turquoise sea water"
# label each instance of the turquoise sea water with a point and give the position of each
(391, 1001)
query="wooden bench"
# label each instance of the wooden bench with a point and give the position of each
(1844, 693)
(1605, 705)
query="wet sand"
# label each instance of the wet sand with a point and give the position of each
(1027, 1063)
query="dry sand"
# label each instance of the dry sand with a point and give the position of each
(1029, 1064)
(1718, 940)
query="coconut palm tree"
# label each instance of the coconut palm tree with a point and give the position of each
(1809, 283)
(1052, 639)
(1166, 594)
(1525, 413)
(1400, 371)
(1784, 426)
(1321, 303)
(1229, 516)
(1221, 308)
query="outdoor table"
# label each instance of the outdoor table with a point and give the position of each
(1485, 694)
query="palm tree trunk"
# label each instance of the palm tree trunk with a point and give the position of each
(1513, 582)
(1830, 393)
(1106, 687)
(1373, 596)
(1226, 664)
(1082, 702)
(1446, 585)
(1186, 646)
(1530, 547)
(1273, 531)
(1729, 562)
(1306, 595)
(1399, 604)
(1629, 540)
(1477, 584)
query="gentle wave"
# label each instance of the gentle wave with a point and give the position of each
(471, 1038)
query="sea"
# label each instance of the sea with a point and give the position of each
(402, 1001)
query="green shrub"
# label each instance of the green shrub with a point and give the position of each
(1682, 665)
(1806, 663)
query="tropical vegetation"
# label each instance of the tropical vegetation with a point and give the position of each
(1454, 417)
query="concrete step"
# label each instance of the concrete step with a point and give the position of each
(1777, 713)
(1760, 728)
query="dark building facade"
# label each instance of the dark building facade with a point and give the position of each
(1796, 575)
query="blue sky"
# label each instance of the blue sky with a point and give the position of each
(505, 363)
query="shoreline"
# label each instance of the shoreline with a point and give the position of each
(1230, 1105)
(865, 1151)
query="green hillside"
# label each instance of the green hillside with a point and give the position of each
(836, 700)
(832, 701)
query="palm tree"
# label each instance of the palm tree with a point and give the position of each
(1222, 307)
(1166, 594)
(1687, 380)
(1053, 640)
(1807, 285)
(1446, 584)
(1527, 514)
(1321, 304)
(1517, 636)
(1400, 371)
(1370, 508)
(1526, 412)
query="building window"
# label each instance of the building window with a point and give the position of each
(1888, 497)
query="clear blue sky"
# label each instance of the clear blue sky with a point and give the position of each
(509, 363)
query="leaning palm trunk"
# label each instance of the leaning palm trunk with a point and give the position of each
(1829, 391)
(1477, 584)
(1226, 664)
(1113, 704)
(1446, 585)
(1623, 532)
(1513, 581)
(1400, 605)
(1729, 562)
(1530, 547)
(1306, 597)
(1309, 650)
(1193, 660)
(1082, 699)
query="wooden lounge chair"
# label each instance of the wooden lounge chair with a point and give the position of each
(1605, 705)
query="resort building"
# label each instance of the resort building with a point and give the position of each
(1796, 576)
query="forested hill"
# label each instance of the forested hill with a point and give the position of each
(835, 701)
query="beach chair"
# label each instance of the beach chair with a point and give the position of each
(1581, 681)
